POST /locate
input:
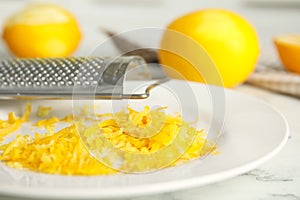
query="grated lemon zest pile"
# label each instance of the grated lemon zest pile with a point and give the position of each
(63, 152)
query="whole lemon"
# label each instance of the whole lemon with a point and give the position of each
(42, 30)
(227, 38)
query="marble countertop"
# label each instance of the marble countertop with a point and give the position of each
(277, 179)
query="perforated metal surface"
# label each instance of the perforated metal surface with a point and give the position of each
(59, 76)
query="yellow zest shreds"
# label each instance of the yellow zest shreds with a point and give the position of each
(60, 153)
(43, 111)
(50, 123)
(140, 119)
(13, 122)
(47, 123)
(64, 153)
(144, 124)
(68, 118)
(121, 133)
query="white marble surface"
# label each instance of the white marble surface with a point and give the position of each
(277, 179)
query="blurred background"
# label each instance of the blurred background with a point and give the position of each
(269, 17)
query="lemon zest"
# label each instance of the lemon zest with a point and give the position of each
(63, 152)
(13, 122)
(43, 111)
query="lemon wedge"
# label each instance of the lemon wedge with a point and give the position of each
(288, 47)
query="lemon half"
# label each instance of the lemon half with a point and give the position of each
(288, 47)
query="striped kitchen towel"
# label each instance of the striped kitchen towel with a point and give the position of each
(273, 76)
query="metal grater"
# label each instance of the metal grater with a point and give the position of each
(60, 78)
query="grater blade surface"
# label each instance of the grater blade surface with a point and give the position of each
(56, 78)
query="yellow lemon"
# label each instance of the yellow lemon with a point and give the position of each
(230, 41)
(42, 30)
(288, 48)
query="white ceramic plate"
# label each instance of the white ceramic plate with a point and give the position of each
(253, 132)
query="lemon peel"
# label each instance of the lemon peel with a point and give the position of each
(42, 30)
(213, 46)
(13, 122)
(63, 152)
